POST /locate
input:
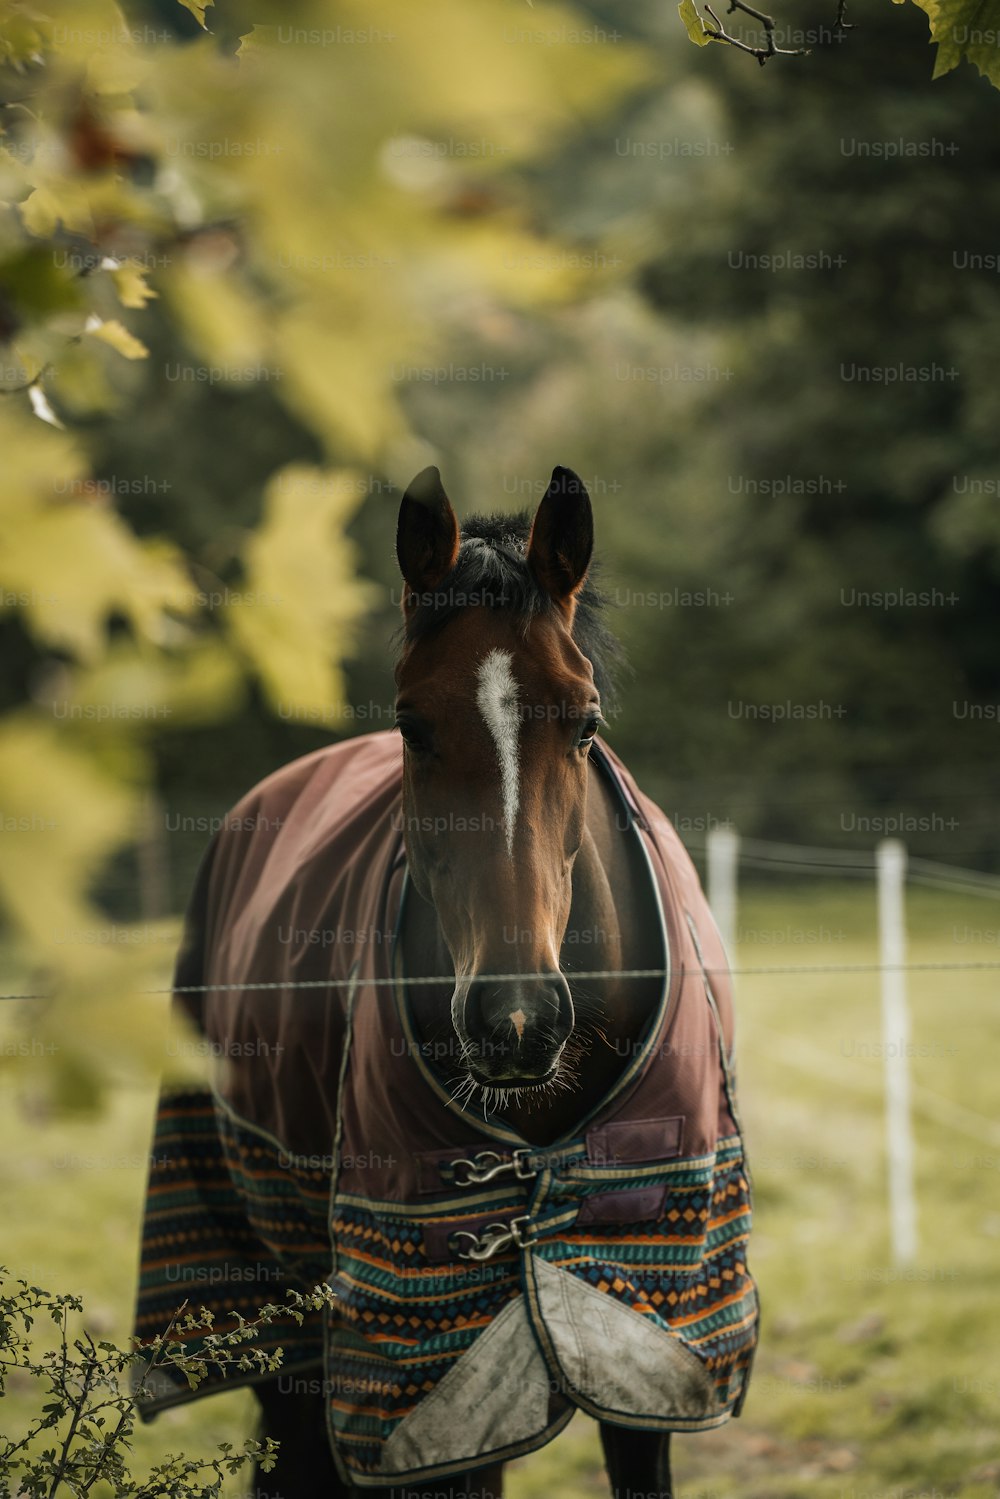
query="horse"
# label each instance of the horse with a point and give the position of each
(475, 1041)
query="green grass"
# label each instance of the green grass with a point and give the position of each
(869, 1384)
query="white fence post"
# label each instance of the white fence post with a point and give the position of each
(891, 862)
(722, 852)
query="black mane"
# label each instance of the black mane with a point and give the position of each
(491, 570)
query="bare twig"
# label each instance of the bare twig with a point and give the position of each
(840, 24)
(718, 33)
(770, 49)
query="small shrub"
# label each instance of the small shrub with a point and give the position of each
(89, 1393)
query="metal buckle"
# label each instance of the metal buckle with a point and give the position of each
(479, 1168)
(521, 1235)
(489, 1164)
(484, 1246)
(494, 1238)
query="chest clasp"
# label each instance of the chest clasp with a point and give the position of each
(494, 1238)
(488, 1164)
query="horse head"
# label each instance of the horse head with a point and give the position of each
(497, 706)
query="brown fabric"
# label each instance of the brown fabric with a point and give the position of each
(302, 884)
(297, 893)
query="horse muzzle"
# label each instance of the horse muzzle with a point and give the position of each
(514, 1033)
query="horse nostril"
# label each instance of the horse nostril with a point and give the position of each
(537, 1018)
(476, 1021)
(565, 1014)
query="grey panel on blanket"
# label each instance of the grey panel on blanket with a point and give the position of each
(616, 1358)
(463, 1418)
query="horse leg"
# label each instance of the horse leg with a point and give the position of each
(305, 1466)
(480, 1483)
(638, 1462)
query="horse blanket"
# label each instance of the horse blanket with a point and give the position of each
(485, 1288)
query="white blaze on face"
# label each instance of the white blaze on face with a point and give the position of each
(496, 699)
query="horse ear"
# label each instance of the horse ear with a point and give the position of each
(562, 536)
(427, 535)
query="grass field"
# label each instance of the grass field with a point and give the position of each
(870, 1383)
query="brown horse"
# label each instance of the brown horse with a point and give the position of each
(577, 1010)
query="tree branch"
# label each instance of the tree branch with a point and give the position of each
(720, 34)
(79, 1408)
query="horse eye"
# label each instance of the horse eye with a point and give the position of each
(414, 735)
(589, 731)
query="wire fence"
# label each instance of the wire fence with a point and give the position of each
(759, 853)
(754, 853)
